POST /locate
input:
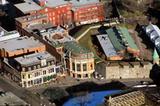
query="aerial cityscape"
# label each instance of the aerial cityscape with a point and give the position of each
(79, 52)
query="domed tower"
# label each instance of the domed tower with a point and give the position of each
(155, 57)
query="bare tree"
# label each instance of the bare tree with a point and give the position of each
(83, 99)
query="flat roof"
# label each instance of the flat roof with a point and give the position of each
(39, 27)
(28, 6)
(31, 17)
(77, 3)
(106, 45)
(11, 99)
(19, 43)
(56, 36)
(34, 58)
(51, 3)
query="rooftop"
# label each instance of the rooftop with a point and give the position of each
(38, 28)
(19, 43)
(106, 45)
(56, 36)
(51, 3)
(34, 58)
(153, 33)
(9, 35)
(116, 41)
(11, 99)
(126, 37)
(77, 3)
(75, 48)
(30, 17)
(28, 6)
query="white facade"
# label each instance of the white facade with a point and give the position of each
(9, 35)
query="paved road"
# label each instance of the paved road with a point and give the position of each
(24, 94)
(69, 81)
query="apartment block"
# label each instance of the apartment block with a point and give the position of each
(35, 69)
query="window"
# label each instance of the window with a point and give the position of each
(52, 62)
(85, 75)
(73, 66)
(57, 70)
(29, 76)
(29, 83)
(36, 74)
(24, 83)
(84, 67)
(29, 68)
(44, 72)
(39, 66)
(34, 67)
(23, 76)
(23, 69)
(43, 62)
(79, 75)
(91, 66)
(48, 63)
(78, 67)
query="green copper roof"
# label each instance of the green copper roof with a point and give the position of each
(121, 38)
(117, 43)
(126, 37)
(155, 55)
(74, 47)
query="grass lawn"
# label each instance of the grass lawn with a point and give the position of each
(86, 41)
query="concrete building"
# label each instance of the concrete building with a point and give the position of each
(63, 12)
(80, 60)
(124, 70)
(153, 32)
(33, 69)
(108, 48)
(19, 46)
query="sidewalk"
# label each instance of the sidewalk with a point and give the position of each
(30, 98)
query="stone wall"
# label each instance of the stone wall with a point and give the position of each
(124, 70)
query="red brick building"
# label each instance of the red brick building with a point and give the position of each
(88, 13)
(61, 15)
(61, 12)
